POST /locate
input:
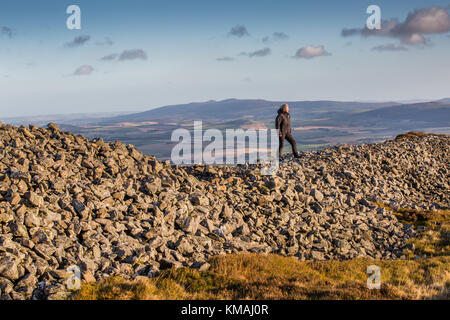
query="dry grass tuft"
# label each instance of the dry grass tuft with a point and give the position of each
(252, 276)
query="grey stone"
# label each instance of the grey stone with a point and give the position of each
(8, 268)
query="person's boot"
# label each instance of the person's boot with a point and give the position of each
(297, 155)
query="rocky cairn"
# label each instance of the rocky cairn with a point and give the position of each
(110, 210)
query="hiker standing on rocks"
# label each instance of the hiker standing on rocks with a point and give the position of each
(283, 125)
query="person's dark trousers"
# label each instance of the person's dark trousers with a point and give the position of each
(291, 140)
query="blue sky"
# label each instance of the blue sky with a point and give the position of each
(168, 52)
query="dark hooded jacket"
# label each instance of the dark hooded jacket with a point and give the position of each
(283, 122)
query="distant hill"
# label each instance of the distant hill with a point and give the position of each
(66, 119)
(316, 124)
(435, 113)
(232, 109)
(310, 113)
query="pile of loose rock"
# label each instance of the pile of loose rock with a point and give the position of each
(110, 210)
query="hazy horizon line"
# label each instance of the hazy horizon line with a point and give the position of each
(144, 109)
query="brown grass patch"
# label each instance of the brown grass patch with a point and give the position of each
(252, 276)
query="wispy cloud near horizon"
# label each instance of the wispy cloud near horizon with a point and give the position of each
(276, 36)
(78, 41)
(389, 47)
(239, 31)
(106, 42)
(84, 70)
(110, 57)
(7, 31)
(260, 53)
(226, 59)
(133, 54)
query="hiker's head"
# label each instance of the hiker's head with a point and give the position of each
(285, 107)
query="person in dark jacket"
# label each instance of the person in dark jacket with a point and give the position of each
(283, 125)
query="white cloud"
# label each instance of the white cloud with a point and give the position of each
(420, 22)
(310, 52)
(415, 38)
(426, 21)
(84, 70)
